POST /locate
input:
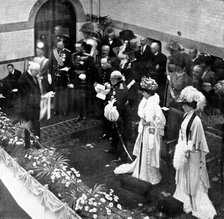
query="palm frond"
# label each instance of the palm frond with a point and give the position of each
(71, 198)
(44, 172)
(98, 188)
(23, 125)
(60, 159)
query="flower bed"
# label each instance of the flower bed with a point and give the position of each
(52, 170)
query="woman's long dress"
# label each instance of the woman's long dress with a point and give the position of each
(147, 146)
(192, 182)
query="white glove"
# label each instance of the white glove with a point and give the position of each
(82, 77)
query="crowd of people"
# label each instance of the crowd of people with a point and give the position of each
(119, 77)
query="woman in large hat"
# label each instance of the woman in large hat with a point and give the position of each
(151, 128)
(192, 182)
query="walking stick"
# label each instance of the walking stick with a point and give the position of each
(122, 141)
(140, 160)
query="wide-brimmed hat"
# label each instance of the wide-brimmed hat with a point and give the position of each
(127, 35)
(87, 27)
(192, 97)
(148, 84)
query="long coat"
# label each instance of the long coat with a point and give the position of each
(30, 96)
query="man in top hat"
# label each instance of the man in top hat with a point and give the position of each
(59, 67)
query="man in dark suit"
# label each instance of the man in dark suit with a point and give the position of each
(30, 96)
(10, 83)
(59, 68)
(113, 42)
(159, 64)
(144, 54)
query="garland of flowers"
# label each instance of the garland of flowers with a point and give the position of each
(53, 171)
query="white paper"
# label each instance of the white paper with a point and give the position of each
(64, 69)
(101, 96)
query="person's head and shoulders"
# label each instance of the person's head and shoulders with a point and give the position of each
(32, 71)
(111, 39)
(12, 71)
(118, 81)
(193, 53)
(192, 102)
(156, 51)
(105, 65)
(144, 47)
(197, 73)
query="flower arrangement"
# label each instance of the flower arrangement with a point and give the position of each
(52, 169)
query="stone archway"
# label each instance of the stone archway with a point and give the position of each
(46, 14)
(77, 6)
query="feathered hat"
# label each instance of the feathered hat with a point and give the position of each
(148, 84)
(174, 46)
(192, 96)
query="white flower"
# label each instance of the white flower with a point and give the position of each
(84, 196)
(111, 205)
(67, 184)
(59, 195)
(94, 203)
(103, 200)
(111, 191)
(146, 217)
(116, 198)
(82, 201)
(108, 211)
(34, 164)
(94, 210)
(107, 196)
(95, 216)
(86, 208)
(119, 206)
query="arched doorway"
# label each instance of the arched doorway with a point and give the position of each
(53, 13)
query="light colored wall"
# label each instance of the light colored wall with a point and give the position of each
(16, 44)
(200, 21)
(14, 11)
